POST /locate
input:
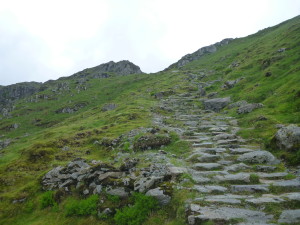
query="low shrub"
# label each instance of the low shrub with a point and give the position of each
(136, 214)
(47, 199)
(83, 207)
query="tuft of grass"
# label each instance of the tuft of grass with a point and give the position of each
(254, 179)
(47, 200)
(82, 207)
(137, 213)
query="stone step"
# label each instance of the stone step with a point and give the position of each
(210, 189)
(239, 150)
(250, 188)
(199, 140)
(290, 217)
(265, 199)
(221, 215)
(271, 175)
(206, 144)
(233, 178)
(207, 166)
(237, 167)
(210, 150)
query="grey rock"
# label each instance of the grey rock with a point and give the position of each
(109, 107)
(265, 168)
(216, 104)
(262, 157)
(231, 83)
(176, 171)
(288, 138)
(86, 192)
(212, 94)
(98, 189)
(250, 188)
(237, 167)
(290, 216)
(4, 143)
(118, 191)
(145, 183)
(159, 195)
(249, 108)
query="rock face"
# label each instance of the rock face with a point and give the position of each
(199, 53)
(13, 92)
(288, 138)
(216, 104)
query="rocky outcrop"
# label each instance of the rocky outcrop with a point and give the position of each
(121, 68)
(231, 83)
(151, 141)
(200, 53)
(10, 93)
(288, 138)
(71, 109)
(216, 104)
(101, 177)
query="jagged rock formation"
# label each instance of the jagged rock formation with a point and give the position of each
(121, 68)
(199, 53)
(10, 93)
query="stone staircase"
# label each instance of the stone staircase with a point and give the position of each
(235, 183)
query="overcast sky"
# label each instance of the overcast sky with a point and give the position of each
(47, 39)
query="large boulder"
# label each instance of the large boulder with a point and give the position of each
(216, 104)
(249, 108)
(288, 138)
(260, 157)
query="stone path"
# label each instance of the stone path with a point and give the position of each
(236, 183)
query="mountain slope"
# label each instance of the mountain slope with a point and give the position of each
(96, 114)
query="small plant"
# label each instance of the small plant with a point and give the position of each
(254, 179)
(136, 214)
(47, 199)
(82, 207)
(289, 176)
(127, 146)
(113, 198)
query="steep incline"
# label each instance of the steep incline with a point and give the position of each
(232, 180)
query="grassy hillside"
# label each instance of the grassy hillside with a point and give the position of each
(270, 77)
